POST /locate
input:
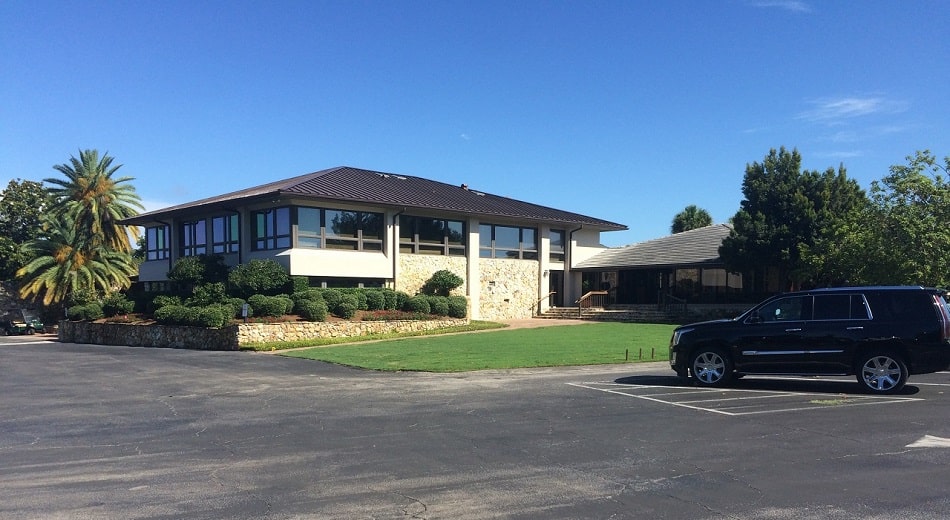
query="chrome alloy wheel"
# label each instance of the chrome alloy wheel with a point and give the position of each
(882, 374)
(709, 367)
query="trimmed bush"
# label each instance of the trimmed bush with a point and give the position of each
(390, 296)
(401, 299)
(267, 305)
(265, 277)
(164, 300)
(375, 301)
(417, 304)
(458, 306)
(207, 294)
(177, 315)
(213, 316)
(332, 297)
(116, 303)
(299, 284)
(288, 303)
(312, 310)
(438, 305)
(86, 312)
(442, 282)
(347, 307)
(237, 305)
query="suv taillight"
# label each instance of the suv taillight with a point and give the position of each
(944, 316)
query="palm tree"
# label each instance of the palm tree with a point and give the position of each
(94, 201)
(692, 217)
(64, 264)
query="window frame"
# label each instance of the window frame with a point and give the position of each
(324, 237)
(231, 229)
(415, 244)
(491, 250)
(194, 237)
(157, 247)
(271, 238)
(557, 254)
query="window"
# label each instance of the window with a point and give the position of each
(224, 234)
(785, 309)
(557, 245)
(339, 229)
(272, 228)
(194, 239)
(156, 243)
(507, 242)
(431, 236)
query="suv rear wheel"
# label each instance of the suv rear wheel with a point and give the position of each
(711, 367)
(882, 372)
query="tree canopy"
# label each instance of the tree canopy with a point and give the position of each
(784, 212)
(22, 205)
(692, 217)
(85, 248)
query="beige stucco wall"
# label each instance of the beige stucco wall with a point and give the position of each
(508, 288)
(346, 264)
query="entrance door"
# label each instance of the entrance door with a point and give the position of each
(556, 285)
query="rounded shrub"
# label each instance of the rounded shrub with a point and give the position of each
(212, 316)
(332, 297)
(375, 301)
(458, 307)
(417, 304)
(164, 300)
(237, 305)
(312, 310)
(288, 303)
(117, 303)
(438, 305)
(347, 307)
(85, 312)
(401, 298)
(390, 296)
(267, 305)
(177, 315)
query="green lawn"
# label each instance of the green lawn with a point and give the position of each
(588, 344)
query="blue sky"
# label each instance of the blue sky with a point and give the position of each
(622, 110)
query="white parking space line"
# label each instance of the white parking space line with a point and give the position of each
(738, 402)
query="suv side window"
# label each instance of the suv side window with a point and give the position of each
(840, 307)
(785, 309)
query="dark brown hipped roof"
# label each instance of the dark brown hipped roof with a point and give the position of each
(696, 247)
(348, 184)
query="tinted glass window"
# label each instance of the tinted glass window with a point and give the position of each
(832, 307)
(783, 309)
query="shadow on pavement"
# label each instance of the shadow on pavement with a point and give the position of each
(791, 384)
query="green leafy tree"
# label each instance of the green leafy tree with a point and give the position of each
(442, 282)
(902, 237)
(22, 205)
(692, 217)
(93, 201)
(784, 214)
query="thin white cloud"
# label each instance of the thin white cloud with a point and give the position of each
(465, 137)
(834, 111)
(794, 6)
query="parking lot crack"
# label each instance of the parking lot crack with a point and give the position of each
(416, 509)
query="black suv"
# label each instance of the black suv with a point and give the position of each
(879, 334)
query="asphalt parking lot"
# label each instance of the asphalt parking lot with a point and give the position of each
(115, 432)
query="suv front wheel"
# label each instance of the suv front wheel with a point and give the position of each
(882, 372)
(711, 367)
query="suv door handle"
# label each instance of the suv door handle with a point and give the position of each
(855, 328)
(793, 330)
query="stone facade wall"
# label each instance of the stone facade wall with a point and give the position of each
(234, 336)
(415, 271)
(301, 330)
(509, 288)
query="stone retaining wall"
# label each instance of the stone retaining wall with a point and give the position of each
(234, 336)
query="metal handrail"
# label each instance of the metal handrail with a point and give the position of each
(591, 299)
(667, 302)
(537, 304)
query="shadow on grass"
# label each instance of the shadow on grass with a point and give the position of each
(786, 384)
